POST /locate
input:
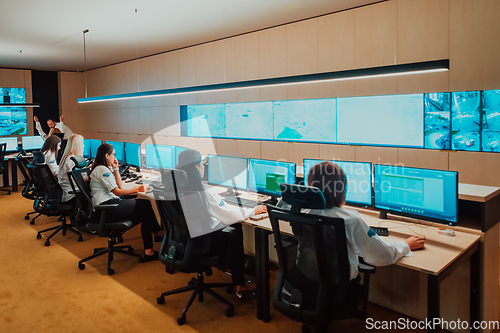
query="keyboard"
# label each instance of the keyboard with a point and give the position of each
(241, 202)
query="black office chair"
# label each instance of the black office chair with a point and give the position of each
(79, 180)
(179, 251)
(333, 296)
(51, 204)
(3, 167)
(29, 190)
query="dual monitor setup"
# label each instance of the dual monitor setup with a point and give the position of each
(421, 193)
(157, 156)
(28, 143)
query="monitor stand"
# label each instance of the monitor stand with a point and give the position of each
(383, 215)
(231, 193)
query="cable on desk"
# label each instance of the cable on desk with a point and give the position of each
(401, 226)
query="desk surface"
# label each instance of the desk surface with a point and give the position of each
(440, 252)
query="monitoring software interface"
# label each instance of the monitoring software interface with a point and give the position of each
(228, 171)
(32, 142)
(265, 176)
(11, 143)
(422, 192)
(160, 156)
(133, 154)
(359, 180)
(119, 150)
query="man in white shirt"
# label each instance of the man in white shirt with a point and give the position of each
(52, 124)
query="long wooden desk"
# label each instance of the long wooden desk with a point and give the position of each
(442, 255)
(440, 258)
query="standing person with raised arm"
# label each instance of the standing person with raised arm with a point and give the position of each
(52, 124)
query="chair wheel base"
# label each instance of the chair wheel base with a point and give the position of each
(111, 271)
(80, 238)
(26, 217)
(32, 222)
(81, 265)
(160, 300)
(181, 320)
(9, 193)
(47, 243)
(38, 236)
(229, 312)
(141, 259)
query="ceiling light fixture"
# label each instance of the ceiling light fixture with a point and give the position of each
(362, 73)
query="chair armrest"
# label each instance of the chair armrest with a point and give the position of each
(129, 196)
(105, 206)
(363, 267)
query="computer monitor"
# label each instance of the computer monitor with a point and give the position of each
(11, 142)
(265, 176)
(160, 156)
(422, 193)
(32, 142)
(359, 180)
(178, 150)
(133, 154)
(94, 145)
(86, 148)
(228, 171)
(119, 150)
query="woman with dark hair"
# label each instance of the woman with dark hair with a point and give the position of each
(106, 187)
(362, 241)
(221, 214)
(49, 149)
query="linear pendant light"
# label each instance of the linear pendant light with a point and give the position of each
(24, 105)
(362, 73)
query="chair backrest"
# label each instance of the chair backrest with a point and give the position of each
(80, 162)
(29, 187)
(297, 295)
(3, 148)
(79, 181)
(38, 157)
(178, 209)
(48, 182)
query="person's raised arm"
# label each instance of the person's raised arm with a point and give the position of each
(38, 127)
(63, 128)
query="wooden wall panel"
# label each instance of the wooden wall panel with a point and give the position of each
(187, 67)
(270, 150)
(423, 158)
(336, 41)
(422, 30)
(476, 168)
(225, 60)
(422, 83)
(303, 91)
(171, 70)
(375, 34)
(337, 152)
(376, 86)
(336, 89)
(226, 147)
(207, 146)
(474, 54)
(249, 148)
(380, 155)
(247, 56)
(273, 52)
(205, 63)
(302, 47)
(298, 151)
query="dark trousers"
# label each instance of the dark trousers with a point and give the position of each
(236, 258)
(137, 211)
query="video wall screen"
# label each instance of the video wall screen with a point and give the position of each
(12, 118)
(464, 120)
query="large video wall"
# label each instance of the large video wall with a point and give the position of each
(12, 118)
(465, 120)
